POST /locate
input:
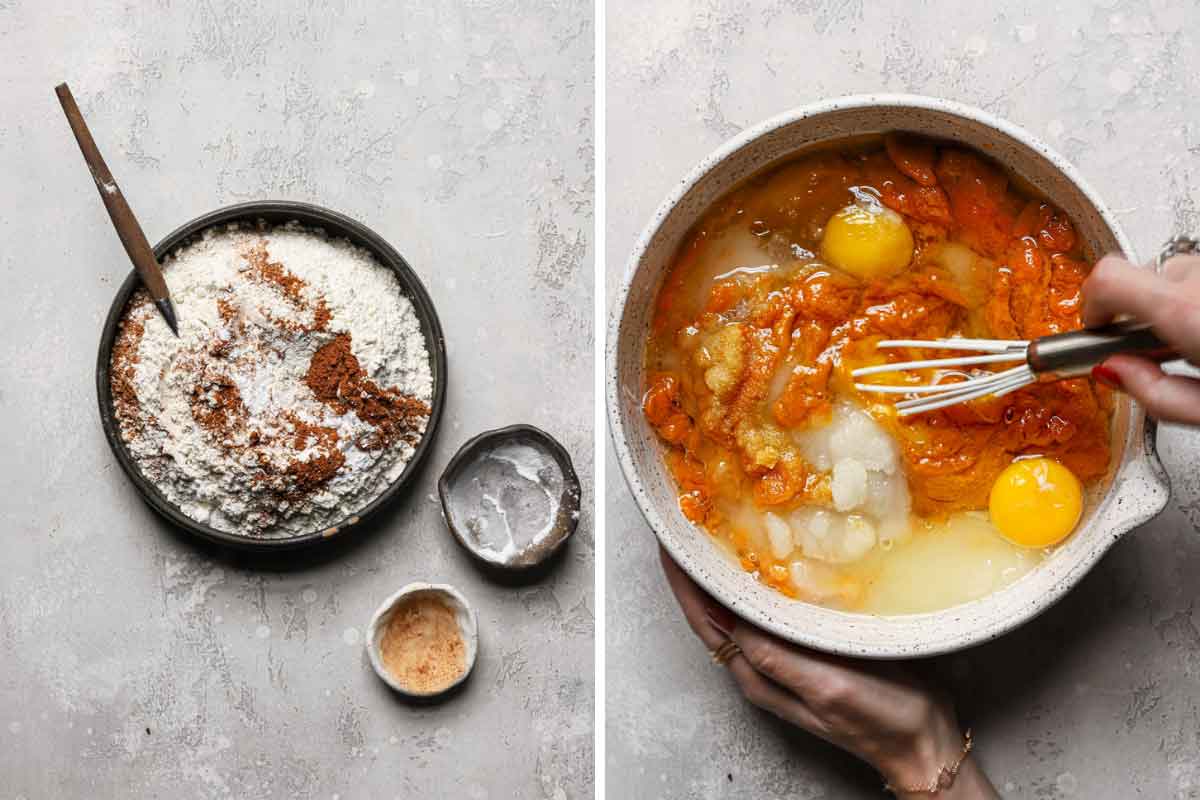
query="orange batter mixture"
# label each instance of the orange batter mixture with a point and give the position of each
(738, 361)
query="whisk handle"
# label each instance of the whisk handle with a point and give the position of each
(1067, 355)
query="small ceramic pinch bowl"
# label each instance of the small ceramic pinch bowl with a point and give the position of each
(468, 626)
(511, 499)
(1134, 490)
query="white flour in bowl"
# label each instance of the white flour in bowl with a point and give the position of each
(296, 392)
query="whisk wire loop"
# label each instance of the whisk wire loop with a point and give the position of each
(940, 394)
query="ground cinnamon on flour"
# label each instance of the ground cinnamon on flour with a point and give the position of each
(422, 646)
(337, 379)
(124, 364)
(220, 419)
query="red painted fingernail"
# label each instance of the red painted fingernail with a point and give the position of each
(720, 617)
(1106, 376)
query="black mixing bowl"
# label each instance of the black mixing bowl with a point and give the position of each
(336, 226)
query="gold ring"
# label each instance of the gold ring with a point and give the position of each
(725, 652)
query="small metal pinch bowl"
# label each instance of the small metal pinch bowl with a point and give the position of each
(468, 628)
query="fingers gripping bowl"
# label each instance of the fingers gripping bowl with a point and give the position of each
(1129, 492)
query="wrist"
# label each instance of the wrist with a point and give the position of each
(919, 763)
(970, 784)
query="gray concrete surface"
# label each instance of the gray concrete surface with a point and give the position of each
(1100, 697)
(136, 664)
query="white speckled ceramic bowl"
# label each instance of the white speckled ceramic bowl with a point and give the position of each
(1134, 491)
(467, 623)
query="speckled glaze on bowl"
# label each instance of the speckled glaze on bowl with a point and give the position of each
(468, 625)
(1134, 491)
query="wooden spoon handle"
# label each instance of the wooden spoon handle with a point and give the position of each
(139, 250)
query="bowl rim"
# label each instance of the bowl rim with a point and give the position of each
(335, 225)
(1142, 428)
(470, 634)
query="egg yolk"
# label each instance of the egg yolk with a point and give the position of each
(868, 241)
(1036, 502)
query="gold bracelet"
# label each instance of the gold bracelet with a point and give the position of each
(945, 777)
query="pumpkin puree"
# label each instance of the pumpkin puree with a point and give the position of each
(738, 361)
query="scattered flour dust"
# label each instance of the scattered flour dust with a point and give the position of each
(296, 392)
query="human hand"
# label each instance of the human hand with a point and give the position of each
(876, 710)
(1170, 303)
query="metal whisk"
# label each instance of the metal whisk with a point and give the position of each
(1063, 355)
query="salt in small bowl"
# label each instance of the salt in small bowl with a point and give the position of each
(468, 626)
